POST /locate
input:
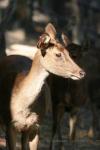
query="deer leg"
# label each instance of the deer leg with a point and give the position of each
(57, 115)
(10, 138)
(54, 127)
(33, 144)
(72, 124)
(92, 128)
(24, 141)
(95, 122)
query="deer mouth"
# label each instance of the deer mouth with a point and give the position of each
(75, 77)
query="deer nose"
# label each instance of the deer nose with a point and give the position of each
(82, 73)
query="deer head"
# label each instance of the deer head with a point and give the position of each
(55, 57)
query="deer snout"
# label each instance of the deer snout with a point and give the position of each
(82, 73)
(77, 74)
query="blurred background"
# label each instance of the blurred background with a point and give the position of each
(25, 19)
(22, 21)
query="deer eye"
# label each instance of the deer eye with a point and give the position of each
(58, 54)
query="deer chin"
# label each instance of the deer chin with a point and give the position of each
(74, 77)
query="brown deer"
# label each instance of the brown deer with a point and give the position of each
(23, 86)
(67, 95)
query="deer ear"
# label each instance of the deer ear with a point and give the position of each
(50, 29)
(65, 39)
(43, 42)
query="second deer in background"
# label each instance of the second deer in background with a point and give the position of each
(68, 95)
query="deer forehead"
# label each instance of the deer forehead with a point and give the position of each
(59, 47)
(55, 49)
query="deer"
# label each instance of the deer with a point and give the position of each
(23, 87)
(70, 88)
(68, 95)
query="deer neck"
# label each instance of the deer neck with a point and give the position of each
(37, 70)
(32, 84)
